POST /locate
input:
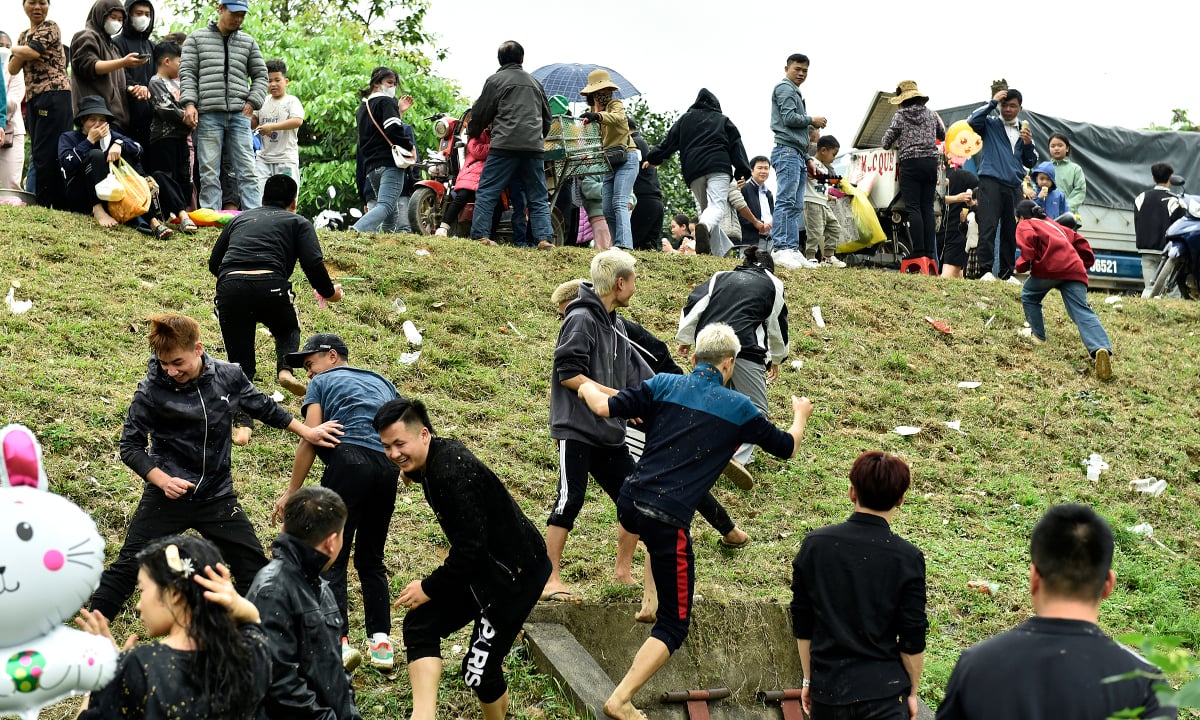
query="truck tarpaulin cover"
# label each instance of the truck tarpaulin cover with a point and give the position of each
(1115, 160)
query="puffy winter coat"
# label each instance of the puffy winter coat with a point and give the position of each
(221, 73)
(477, 152)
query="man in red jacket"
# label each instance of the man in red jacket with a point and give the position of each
(1058, 257)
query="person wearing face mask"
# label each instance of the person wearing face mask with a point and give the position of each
(381, 125)
(135, 38)
(97, 65)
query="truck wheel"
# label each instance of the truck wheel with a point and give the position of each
(424, 213)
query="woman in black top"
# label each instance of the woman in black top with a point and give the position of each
(212, 661)
(380, 126)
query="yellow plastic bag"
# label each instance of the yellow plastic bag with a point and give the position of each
(137, 193)
(870, 232)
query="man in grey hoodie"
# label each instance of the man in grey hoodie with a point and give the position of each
(592, 346)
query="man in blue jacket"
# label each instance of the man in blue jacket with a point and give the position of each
(1007, 151)
(693, 425)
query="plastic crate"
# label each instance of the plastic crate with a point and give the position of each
(573, 148)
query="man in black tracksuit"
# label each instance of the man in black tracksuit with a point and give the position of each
(253, 261)
(492, 576)
(177, 438)
(300, 615)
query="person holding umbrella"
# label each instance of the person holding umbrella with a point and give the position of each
(619, 149)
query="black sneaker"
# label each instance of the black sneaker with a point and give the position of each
(702, 246)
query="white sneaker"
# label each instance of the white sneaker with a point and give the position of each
(988, 277)
(833, 261)
(790, 259)
(1013, 280)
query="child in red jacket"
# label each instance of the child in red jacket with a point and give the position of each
(1058, 257)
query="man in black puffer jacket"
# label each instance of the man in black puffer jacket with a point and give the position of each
(178, 437)
(709, 144)
(492, 576)
(300, 614)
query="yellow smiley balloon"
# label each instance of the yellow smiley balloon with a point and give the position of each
(961, 141)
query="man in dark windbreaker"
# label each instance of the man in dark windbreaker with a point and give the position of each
(492, 576)
(750, 299)
(708, 144)
(178, 438)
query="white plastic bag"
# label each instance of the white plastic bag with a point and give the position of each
(110, 189)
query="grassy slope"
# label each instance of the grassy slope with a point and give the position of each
(68, 368)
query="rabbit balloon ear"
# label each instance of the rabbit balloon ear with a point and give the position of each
(21, 459)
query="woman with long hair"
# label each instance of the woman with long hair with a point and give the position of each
(212, 661)
(380, 126)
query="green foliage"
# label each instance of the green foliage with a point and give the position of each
(1166, 654)
(653, 126)
(1179, 122)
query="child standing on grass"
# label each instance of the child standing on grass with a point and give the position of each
(1058, 257)
(824, 229)
(278, 123)
(168, 150)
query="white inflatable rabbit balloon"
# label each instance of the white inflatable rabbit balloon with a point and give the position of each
(50, 562)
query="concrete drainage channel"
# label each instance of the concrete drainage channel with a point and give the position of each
(746, 648)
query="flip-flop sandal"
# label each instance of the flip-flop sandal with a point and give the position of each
(162, 232)
(560, 596)
(189, 227)
(733, 546)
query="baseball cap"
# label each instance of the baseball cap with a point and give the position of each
(321, 342)
(236, 6)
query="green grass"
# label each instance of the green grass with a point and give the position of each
(69, 366)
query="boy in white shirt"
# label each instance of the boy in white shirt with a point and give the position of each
(824, 229)
(278, 122)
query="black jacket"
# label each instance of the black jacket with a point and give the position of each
(374, 149)
(645, 186)
(189, 427)
(748, 299)
(492, 543)
(514, 104)
(271, 238)
(707, 142)
(1153, 213)
(141, 112)
(303, 626)
(750, 194)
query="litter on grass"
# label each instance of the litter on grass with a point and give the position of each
(411, 333)
(820, 321)
(410, 358)
(17, 307)
(1112, 299)
(969, 384)
(399, 305)
(422, 252)
(1094, 464)
(955, 425)
(1146, 530)
(939, 325)
(277, 396)
(1150, 486)
(906, 430)
(797, 364)
(265, 331)
(987, 588)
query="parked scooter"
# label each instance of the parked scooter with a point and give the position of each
(330, 219)
(427, 205)
(1181, 258)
